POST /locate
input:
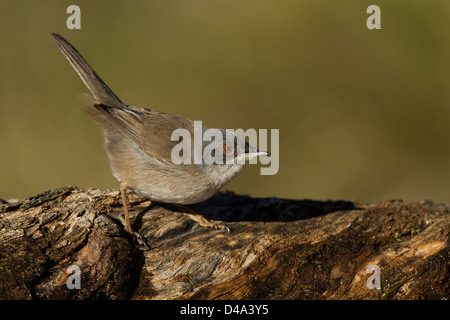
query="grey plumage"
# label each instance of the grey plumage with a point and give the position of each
(138, 144)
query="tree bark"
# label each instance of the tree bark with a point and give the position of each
(278, 249)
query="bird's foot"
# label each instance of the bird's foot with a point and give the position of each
(140, 241)
(202, 221)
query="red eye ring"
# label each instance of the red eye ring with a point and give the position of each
(228, 149)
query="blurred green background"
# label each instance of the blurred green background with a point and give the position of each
(363, 114)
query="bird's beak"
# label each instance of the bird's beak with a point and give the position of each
(253, 153)
(257, 153)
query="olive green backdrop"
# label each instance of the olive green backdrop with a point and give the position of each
(363, 114)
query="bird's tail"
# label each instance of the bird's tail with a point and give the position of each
(101, 92)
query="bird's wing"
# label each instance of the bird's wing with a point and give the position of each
(151, 130)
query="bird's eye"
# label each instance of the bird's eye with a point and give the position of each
(228, 149)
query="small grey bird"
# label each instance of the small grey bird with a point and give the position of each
(139, 146)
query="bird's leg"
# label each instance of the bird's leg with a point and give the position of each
(123, 191)
(141, 242)
(201, 219)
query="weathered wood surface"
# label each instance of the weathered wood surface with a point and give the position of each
(278, 249)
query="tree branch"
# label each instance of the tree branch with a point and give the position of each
(278, 249)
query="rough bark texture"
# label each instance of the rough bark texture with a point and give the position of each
(278, 249)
